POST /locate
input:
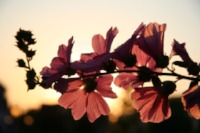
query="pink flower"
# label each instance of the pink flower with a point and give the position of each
(152, 103)
(86, 96)
(148, 49)
(179, 49)
(124, 51)
(151, 40)
(94, 61)
(144, 62)
(60, 65)
(191, 101)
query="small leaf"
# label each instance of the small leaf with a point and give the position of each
(25, 36)
(31, 74)
(181, 64)
(31, 84)
(22, 46)
(21, 63)
(30, 53)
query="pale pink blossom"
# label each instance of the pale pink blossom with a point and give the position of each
(94, 61)
(152, 38)
(131, 78)
(179, 49)
(151, 103)
(59, 66)
(125, 50)
(191, 101)
(86, 96)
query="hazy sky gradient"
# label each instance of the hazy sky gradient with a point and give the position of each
(53, 22)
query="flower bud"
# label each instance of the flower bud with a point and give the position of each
(145, 74)
(193, 69)
(21, 63)
(109, 66)
(130, 61)
(168, 87)
(162, 61)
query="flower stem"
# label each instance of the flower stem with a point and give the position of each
(152, 72)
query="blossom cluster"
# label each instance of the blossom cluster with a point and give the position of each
(85, 83)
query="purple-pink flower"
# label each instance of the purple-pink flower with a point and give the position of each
(191, 101)
(179, 49)
(124, 51)
(152, 103)
(152, 38)
(59, 66)
(86, 96)
(143, 61)
(91, 62)
(139, 60)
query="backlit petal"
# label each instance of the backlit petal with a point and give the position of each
(151, 106)
(69, 98)
(79, 108)
(92, 108)
(98, 44)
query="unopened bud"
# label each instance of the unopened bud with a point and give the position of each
(168, 87)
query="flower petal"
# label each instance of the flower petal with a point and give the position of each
(102, 105)
(191, 101)
(47, 72)
(92, 107)
(154, 36)
(179, 49)
(79, 108)
(98, 44)
(109, 38)
(124, 80)
(141, 56)
(74, 85)
(62, 84)
(58, 64)
(151, 106)
(65, 51)
(105, 80)
(69, 98)
(195, 111)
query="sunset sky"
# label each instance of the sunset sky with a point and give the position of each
(53, 22)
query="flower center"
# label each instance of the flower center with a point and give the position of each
(168, 87)
(70, 71)
(130, 60)
(145, 74)
(162, 61)
(109, 66)
(90, 84)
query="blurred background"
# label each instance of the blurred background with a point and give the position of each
(53, 23)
